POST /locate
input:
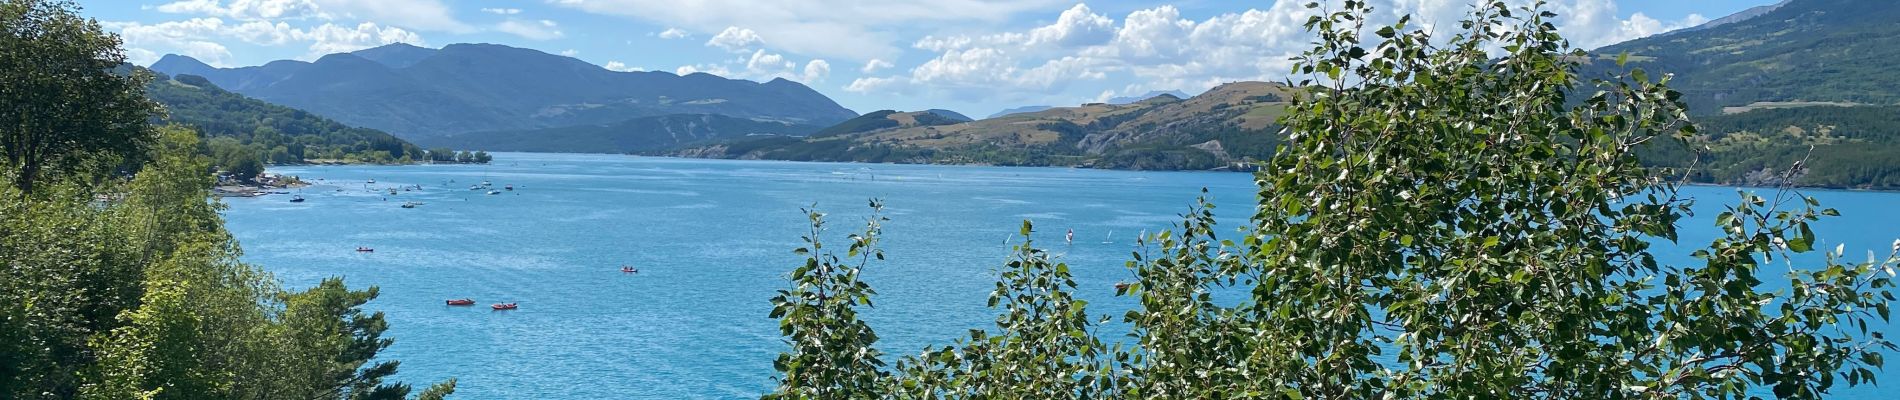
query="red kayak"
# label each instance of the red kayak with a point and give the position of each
(462, 302)
(503, 306)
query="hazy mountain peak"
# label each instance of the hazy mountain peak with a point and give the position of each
(396, 55)
(419, 92)
(181, 64)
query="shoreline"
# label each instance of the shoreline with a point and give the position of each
(1076, 167)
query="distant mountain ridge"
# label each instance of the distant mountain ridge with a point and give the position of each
(419, 93)
(1744, 15)
(1797, 51)
(1229, 124)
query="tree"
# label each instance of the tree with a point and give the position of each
(1454, 206)
(832, 354)
(1443, 220)
(481, 157)
(246, 168)
(1043, 347)
(69, 100)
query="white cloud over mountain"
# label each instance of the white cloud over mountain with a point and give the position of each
(1159, 49)
(851, 29)
(198, 37)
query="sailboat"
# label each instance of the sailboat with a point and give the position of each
(1110, 238)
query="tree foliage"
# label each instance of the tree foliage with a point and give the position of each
(832, 354)
(67, 102)
(128, 287)
(1443, 220)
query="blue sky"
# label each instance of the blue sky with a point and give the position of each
(972, 56)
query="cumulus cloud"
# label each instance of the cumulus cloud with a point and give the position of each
(875, 65)
(534, 30)
(570, 53)
(816, 71)
(198, 38)
(855, 30)
(674, 33)
(735, 39)
(1159, 49)
(714, 69)
(617, 66)
(431, 15)
(1076, 27)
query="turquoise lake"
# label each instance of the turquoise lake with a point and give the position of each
(713, 240)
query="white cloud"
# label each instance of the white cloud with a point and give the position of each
(243, 9)
(617, 66)
(198, 37)
(534, 30)
(502, 11)
(875, 65)
(854, 30)
(430, 15)
(1159, 49)
(816, 71)
(674, 33)
(762, 61)
(735, 39)
(331, 38)
(570, 52)
(714, 69)
(1076, 27)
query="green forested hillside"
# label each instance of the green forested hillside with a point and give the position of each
(1844, 147)
(273, 133)
(118, 279)
(1806, 50)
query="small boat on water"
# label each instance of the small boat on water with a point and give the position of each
(372, 181)
(630, 270)
(494, 192)
(411, 204)
(474, 187)
(1121, 285)
(509, 187)
(360, 249)
(503, 306)
(462, 302)
(296, 199)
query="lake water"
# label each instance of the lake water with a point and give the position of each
(712, 240)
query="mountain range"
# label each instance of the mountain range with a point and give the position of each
(1113, 100)
(421, 93)
(1228, 124)
(1766, 85)
(1777, 84)
(1796, 52)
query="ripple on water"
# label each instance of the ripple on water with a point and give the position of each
(692, 324)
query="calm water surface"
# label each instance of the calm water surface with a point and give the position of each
(713, 241)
